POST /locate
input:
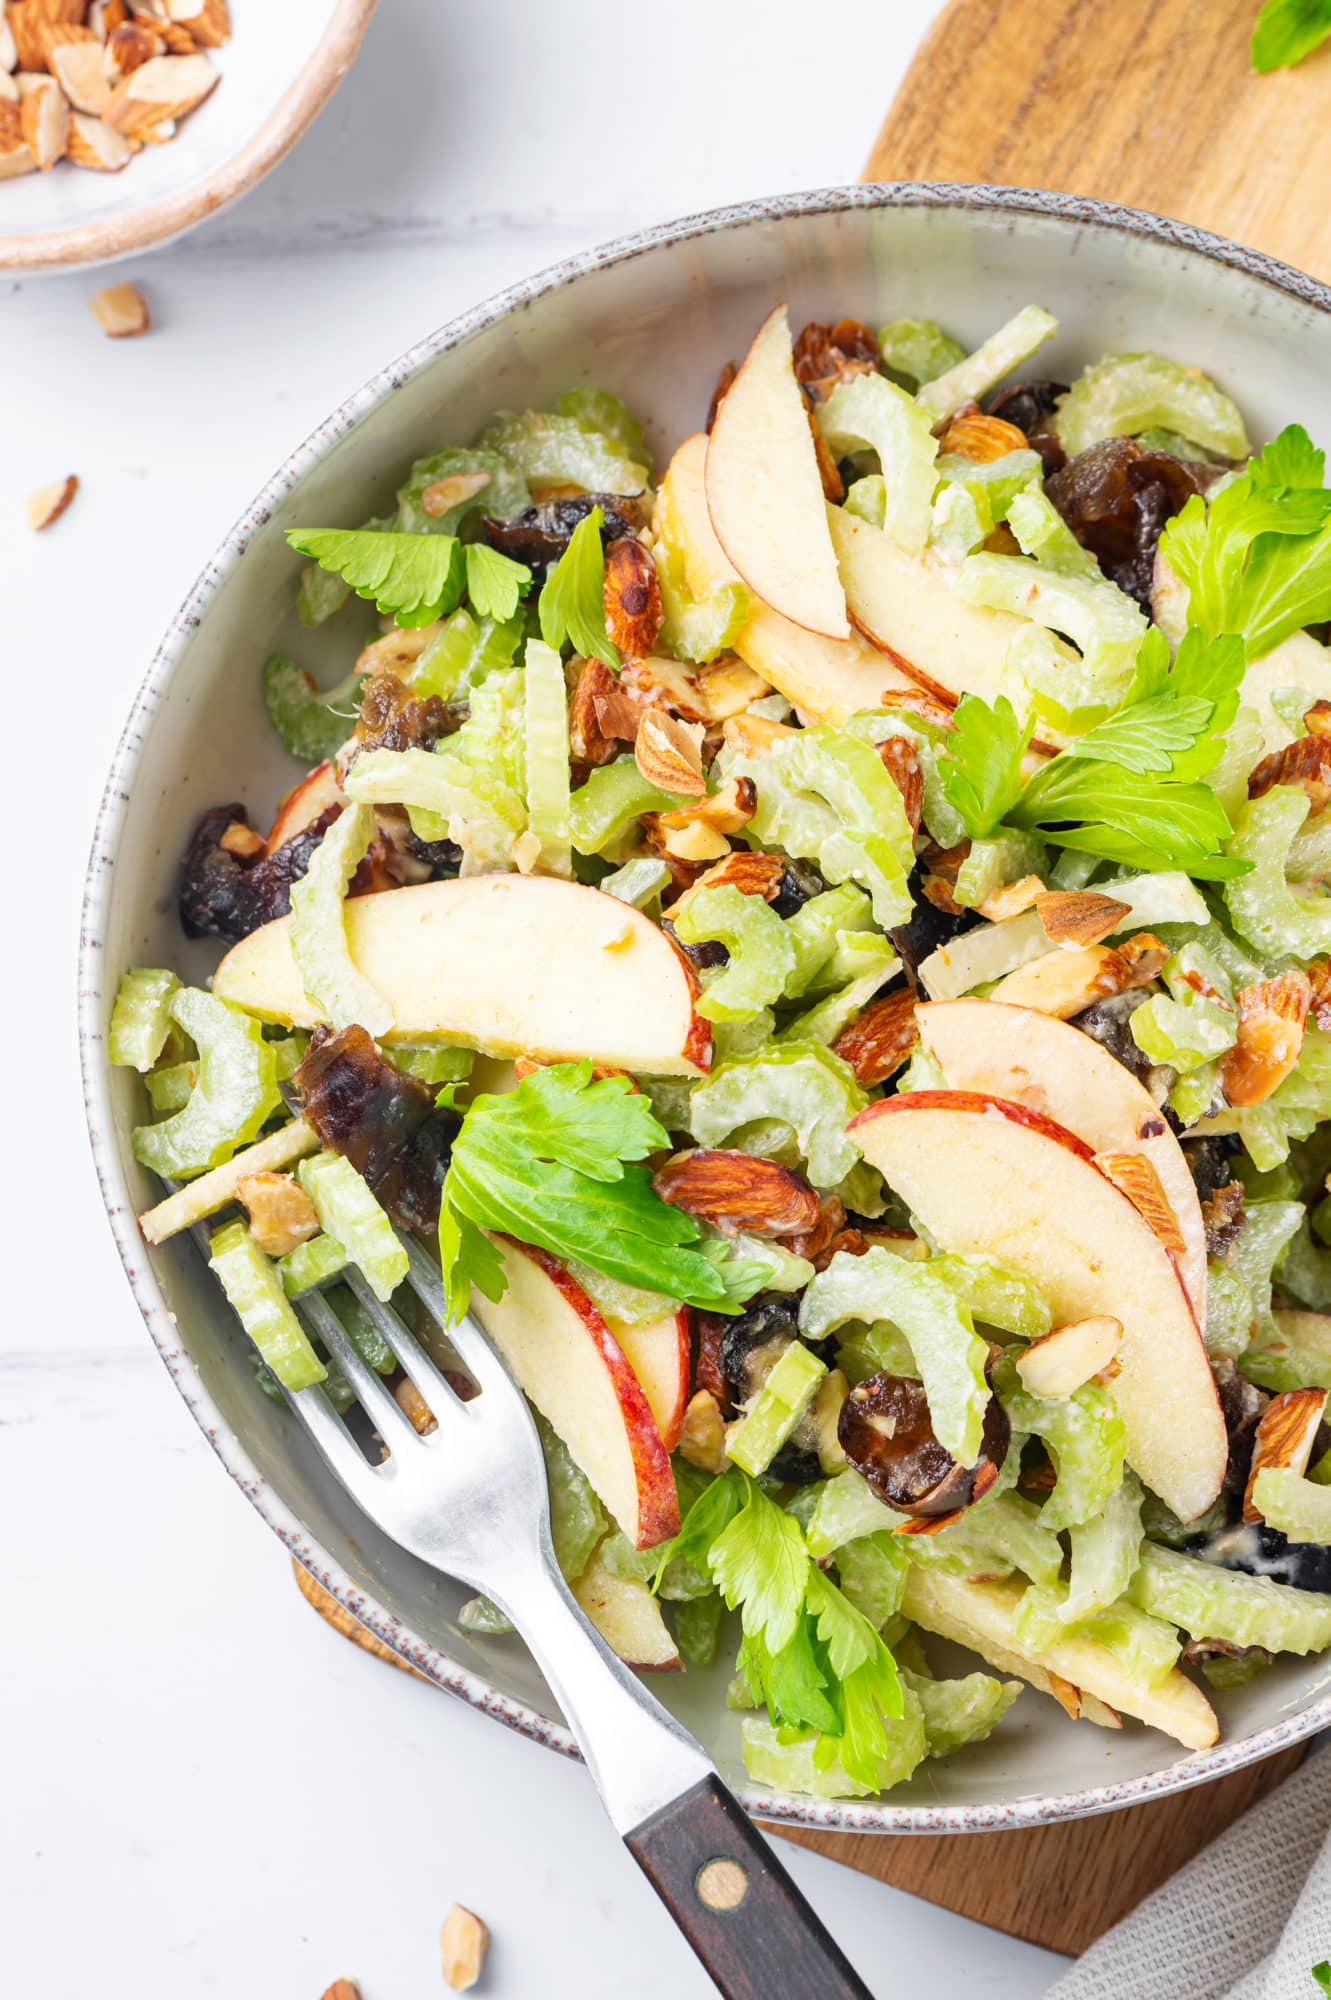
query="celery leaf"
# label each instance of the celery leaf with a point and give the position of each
(413, 579)
(572, 607)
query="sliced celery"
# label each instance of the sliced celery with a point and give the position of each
(1267, 910)
(465, 651)
(1104, 624)
(619, 1304)
(362, 1330)
(638, 882)
(968, 380)
(169, 1089)
(698, 1629)
(311, 725)
(215, 1189)
(577, 1519)
(1267, 1227)
(485, 1619)
(803, 1764)
(1296, 1354)
(949, 1354)
(235, 1094)
(254, 1289)
(873, 1575)
(876, 962)
(319, 932)
(1004, 1530)
(962, 1711)
(803, 1085)
(1183, 1034)
(866, 499)
(846, 1508)
(1293, 1504)
(553, 450)
(502, 491)
(776, 1409)
(870, 412)
(1148, 1647)
(785, 1271)
(990, 864)
(1214, 1603)
(141, 1017)
(816, 929)
(917, 350)
(762, 956)
(995, 1294)
(1125, 394)
(349, 1213)
(446, 799)
(696, 628)
(608, 803)
(1084, 1434)
(547, 759)
(311, 1264)
(599, 411)
(1105, 1552)
(429, 1062)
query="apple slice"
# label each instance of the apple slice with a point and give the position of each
(1050, 1066)
(564, 1357)
(765, 492)
(829, 679)
(510, 964)
(302, 805)
(906, 605)
(659, 1354)
(628, 1618)
(987, 1177)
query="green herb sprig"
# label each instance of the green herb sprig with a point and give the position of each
(415, 579)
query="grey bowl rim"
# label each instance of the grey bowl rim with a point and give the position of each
(850, 1816)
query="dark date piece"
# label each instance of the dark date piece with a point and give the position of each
(1116, 498)
(392, 717)
(385, 1123)
(540, 534)
(887, 1434)
(222, 896)
(736, 1354)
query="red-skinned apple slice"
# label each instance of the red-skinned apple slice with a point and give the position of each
(906, 606)
(765, 492)
(563, 1356)
(659, 1352)
(317, 790)
(829, 679)
(628, 1618)
(1050, 1066)
(511, 964)
(991, 1178)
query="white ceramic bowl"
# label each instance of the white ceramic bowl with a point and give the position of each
(652, 317)
(283, 63)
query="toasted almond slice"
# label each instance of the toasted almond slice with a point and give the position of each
(95, 144)
(631, 597)
(751, 873)
(106, 15)
(982, 438)
(738, 1192)
(9, 90)
(178, 39)
(28, 24)
(726, 811)
(208, 21)
(45, 119)
(281, 1213)
(1079, 916)
(164, 87)
(49, 502)
(901, 761)
(713, 693)
(1134, 1175)
(1284, 1438)
(1061, 1361)
(1013, 899)
(668, 752)
(80, 70)
(702, 1438)
(878, 1043)
(1066, 1695)
(915, 701)
(128, 47)
(1065, 982)
(1304, 764)
(8, 46)
(753, 732)
(463, 1943)
(1095, 1710)
(1273, 1014)
(121, 311)
(601, 716)
(343, 1989)
(16, 155)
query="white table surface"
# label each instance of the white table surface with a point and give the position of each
(205, 1791)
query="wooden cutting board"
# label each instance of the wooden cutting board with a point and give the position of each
(1151, 103)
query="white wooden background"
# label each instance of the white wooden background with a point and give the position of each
(203, 1791)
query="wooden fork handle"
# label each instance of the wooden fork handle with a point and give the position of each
(735, 1903)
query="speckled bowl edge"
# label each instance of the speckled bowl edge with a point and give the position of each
(828, 1815)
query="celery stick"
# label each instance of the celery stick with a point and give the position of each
(777, 1408)
(141, 1017)
(254, 1289)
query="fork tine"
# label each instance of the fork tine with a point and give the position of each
(429, 1378)
(378, 1403)
(334, 1440)
(474, 1350)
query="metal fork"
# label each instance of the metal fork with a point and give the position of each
(470, 1498)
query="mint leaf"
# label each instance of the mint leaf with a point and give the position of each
(555, 1163)
(1289, 30)
(981, 767)
(413, 579)
(495, 583)
(571, 606)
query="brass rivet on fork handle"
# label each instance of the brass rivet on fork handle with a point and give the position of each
(722, 1884)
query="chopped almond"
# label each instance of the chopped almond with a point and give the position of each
(80, 70)
(1135, 1176)
(1304, 764)
(1013, 899)
(752, 874)
(414, 1407)
(725, 811)
(1064, 982)
(1273, 1014)
(45, 123)
(813, 1242)
(128, 47)
(695, 844)
(16, 155)
(242, 841)
(165, 87)
(1079, 916)
(208, 22)
(738, 1192)
(47, 505)
(668, 752)
(713, 693)
(631, 596)
(395, 652)
(901, 761)
(981, 438)
(702, 1439)
(1060, 1362)
(878, 1043)
(463, 1943)
(1284, 1438)
(281, 1213)
(1065, 1694)
(121, 311)
(591, 740)
(442, 495)
(753, 732)
(95, 144)
(916, 702)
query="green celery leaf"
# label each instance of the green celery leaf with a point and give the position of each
(414, 579)
(571, 606)
(981, 768)
(495, 583)
(1322, 1971)
(1292, 459)
(590, 1124)
(1286, 32)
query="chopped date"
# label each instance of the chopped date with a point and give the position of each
(887, 1434)
(1116, 498)
(1241, 1406)
(1211, 1162)
(540, 534)
(385, 1123)
(1028, 405)
(224, 896)
(800, 883)
(392, 717)
(1222, 1217)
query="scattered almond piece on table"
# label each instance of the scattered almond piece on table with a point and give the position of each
(343, 1989)
(463, 1943)
(50, 502)
(121, 311)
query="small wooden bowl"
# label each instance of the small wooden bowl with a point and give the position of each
(278, 71)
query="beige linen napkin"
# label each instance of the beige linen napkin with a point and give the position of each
(1246, 1920)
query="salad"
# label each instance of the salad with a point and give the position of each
(830, 938)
